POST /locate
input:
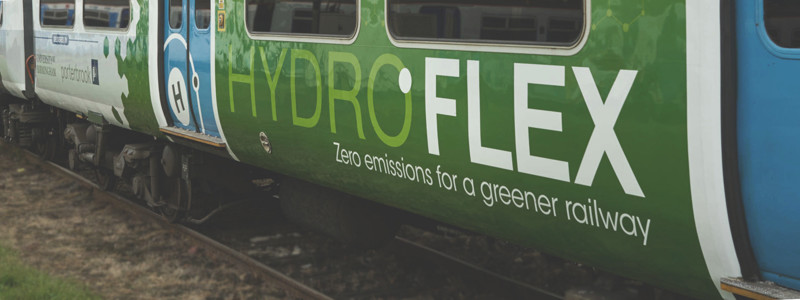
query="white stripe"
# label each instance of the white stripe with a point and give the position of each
(152, 34)
(178, 37)
(705, 140)
(213, 62)
(196, 88)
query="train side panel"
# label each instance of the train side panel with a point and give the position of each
(581, 151)
(97, 65)
(12, 48)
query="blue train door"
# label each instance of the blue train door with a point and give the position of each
(768, 45)
(187, 66)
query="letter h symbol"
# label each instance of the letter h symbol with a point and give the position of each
(178, 96)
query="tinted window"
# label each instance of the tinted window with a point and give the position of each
(782, 20)
(175, 13)
(507, 21)
(202, 13)
(57, 12)
(302, 17)
(107, 13)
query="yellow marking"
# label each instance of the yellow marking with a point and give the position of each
(221, 20)
(746, 293)
(193, 138)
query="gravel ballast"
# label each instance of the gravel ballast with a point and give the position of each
(56, 226)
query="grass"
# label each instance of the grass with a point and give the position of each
(19, 281)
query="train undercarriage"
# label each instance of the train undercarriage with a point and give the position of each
(185, 184)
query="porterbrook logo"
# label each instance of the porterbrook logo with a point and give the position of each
(82, 74)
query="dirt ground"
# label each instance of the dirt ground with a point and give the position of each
(57, 227)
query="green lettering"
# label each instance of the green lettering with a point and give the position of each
(242, 78)
(313, 120)
(272, 80)
(351, 95)
(400, 138)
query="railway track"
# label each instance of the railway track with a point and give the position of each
(293, 288)
(291, 257)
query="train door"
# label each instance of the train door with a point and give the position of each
(187, 65)
(16, 48)
(768, 46)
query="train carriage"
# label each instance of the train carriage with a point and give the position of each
(651, 138)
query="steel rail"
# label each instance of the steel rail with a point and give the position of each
(293, 288)
(511, 288)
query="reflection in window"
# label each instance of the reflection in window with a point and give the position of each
(202, 14)
(107, 13)
(57, 12)
(1, 13)
(782, 20)
(175, 14)
(515, 21)
(323, 17)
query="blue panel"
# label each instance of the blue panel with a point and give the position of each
(187, 69)
(200, 64)
(178, 95)
(71, 17)
(769, 145)
(113, 19)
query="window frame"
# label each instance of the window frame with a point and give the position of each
(212, 17)
(88, 28)
(168, 15)
(74, 17)
(294, 37)
(495, 46)
(766, 40)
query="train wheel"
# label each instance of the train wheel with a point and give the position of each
(105, 179)
(45, 143)
(175, 198)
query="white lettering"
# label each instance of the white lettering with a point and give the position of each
(632, 231)
(645, 230)
(525, 117)
(435, 106)
(604, 139)
(339, 160)
(477, 153)
(608, 221)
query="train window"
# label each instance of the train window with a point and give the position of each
(556, 22)
(202, 14)
(107, 14)
(175, 14)
(782, 22)
(57, 12)
(305, 17)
